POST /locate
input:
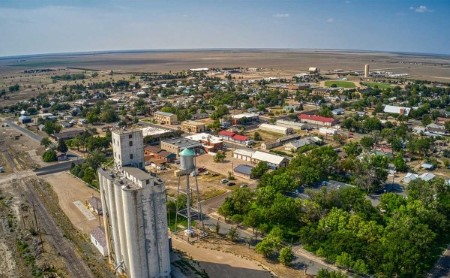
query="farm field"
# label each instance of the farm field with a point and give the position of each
(379, 84)
(342, 84)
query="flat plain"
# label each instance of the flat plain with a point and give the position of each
(282, 62)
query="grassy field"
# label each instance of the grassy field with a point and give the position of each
(342, 84)
(380, 85)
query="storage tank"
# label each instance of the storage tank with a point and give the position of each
(187, 160)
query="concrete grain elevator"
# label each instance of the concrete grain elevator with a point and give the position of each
(134, 205)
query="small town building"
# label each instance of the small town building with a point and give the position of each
(24, 119)
(61, 156)
(391, 109)
(291, 124)
(154, 154)
(176, 145)
(244, 118)
(338, 111)
(243, 154)
(243, 171)
(436, 129)
(234, 137)
(427, 166)
(67, 134)
(193, 127)
(295, 145)
(327, 131)
(276, 129)
(209, 142)
(165, 118)
(317, 120)
(98, 238)
(273, 161)
(442, 120)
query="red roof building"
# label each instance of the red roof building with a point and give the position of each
(317, 120)
(240, 138)
(234, 137)
(226, 133)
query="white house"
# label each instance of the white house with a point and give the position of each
(397, 110)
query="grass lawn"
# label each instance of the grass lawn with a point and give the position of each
(380, 85)
(342, 84)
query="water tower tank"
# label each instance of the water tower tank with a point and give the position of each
(187, 160)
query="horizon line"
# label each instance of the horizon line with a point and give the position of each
(94, 52)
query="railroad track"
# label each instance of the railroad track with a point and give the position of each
(75, 265)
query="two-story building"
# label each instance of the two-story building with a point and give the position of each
(165, 118)
(193, 127)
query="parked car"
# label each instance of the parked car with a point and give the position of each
(243, 185)
(224, 181)
(231, 183)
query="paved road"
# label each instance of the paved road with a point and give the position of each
(62, 166)
(59, 167)
(25, 131)
(442, 266)
(33, 135)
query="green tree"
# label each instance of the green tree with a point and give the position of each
(325, 273)
(95, 159)
(400, 163)
(260, 169)
(232, 234)
(257, 136)
(49, 156)
(219, 157)
(51, 127)
(371, 172)
(270, 244)
(62, 147)
(344, 260)
(286, 255)
(367, 142)
(352, 149)
(46, 142)
(426, 120)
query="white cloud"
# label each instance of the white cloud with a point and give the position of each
(330, 20)
(420, 9)
(279, 15)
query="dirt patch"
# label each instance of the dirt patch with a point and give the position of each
(69, 190)
(220, 263)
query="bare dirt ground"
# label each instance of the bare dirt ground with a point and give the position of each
(221, 258)
(69, 190)
(36, 238)
(276, 60)
(223, 168)
(218, 263)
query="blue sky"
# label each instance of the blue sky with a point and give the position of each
(49, 26)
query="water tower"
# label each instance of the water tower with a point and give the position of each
(188, 170)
